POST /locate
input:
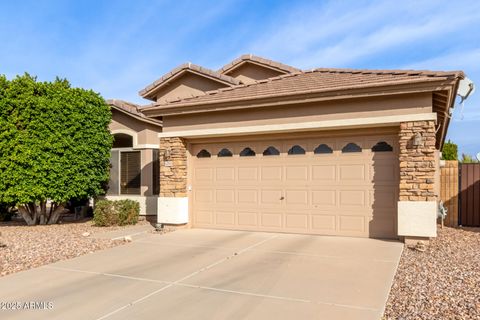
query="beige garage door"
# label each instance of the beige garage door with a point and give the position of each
(346, 185)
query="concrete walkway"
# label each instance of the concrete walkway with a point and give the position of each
(212, 274)
(135, 232)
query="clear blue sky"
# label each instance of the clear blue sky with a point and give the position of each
(118, 47)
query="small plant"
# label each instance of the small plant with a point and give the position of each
(127, 211)
(104, 214)
(111, 213)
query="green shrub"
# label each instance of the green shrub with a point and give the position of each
(120, 212)
(104, 214)
(127, 211)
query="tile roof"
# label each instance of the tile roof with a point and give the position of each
(267, 62)
(187, 67)
(316, 80)
(131, 109)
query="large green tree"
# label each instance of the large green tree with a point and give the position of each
(54, 146)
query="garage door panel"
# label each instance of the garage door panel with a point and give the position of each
(324, 222)
(203, 196)
(384, 198)
(204, 217)
(225, 174)
(247, 197)
(225, 218)
(324, 198)
(203, 174)
(296, 173)
(225, 196)
(356, 198)
(271, 197)
(322, 173)
(352, 223)
(328, 192)
(271, 173)
(296, 197)
(382, 172)
(271, 219)
(297, 221)
(351, 172)
(247, 218)
(247, 174)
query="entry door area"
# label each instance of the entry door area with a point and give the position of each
(347, 185)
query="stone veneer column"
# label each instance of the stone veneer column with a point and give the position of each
(417, 163)
(173, 201)
(417, 199)
(173, 167)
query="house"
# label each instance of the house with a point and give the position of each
(260, 145)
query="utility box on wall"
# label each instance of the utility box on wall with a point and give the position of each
(172, 210)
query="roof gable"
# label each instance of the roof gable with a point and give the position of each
(260, 62)
(150, 91)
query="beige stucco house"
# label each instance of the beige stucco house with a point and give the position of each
(263, 146)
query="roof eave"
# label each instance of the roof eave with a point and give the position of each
(146, 119)
(384, 89)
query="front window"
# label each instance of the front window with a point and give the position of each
(125, 167)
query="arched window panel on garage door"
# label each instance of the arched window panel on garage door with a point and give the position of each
(323, 149)
(295, 150)
(271, 151)
(351, 147)
(247, 152)
(225, 153)
(382, 146)
(203, 154)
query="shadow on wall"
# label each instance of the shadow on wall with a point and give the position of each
(385, 178)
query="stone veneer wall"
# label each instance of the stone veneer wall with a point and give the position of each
(173, 167)
(417, 163)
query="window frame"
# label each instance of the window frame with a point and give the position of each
(271, 155)
(119, 169)
(247, 155)
(355, 151)
(296, 154)
(219, 156)
(320, 153)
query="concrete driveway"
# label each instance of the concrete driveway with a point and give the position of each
(212, 274)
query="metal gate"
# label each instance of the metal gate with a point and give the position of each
(469, 196)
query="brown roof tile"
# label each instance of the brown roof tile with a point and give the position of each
(316, 80)
(267, 62)
(132, 109)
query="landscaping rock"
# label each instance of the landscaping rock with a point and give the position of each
(441, 283)
(33, 246)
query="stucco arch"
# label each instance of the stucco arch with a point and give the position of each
(129, 132)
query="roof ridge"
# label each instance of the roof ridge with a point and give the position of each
(258, 59)
(389, 71)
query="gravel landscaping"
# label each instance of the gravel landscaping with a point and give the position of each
(23, 247)
(441, 283)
